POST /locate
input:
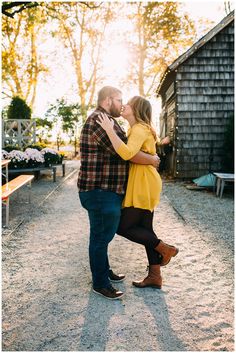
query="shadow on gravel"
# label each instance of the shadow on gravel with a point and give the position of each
(95, 333)
(166, 336)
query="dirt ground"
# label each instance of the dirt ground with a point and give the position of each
(47, 301)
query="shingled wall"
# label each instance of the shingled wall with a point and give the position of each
(205, 102)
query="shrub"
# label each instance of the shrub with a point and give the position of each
(62, 155)
(18, 109)
(4, 154)
(51, 156)
(18, 159)
(10, 148)
(35, 158)
(28, 159)
(32, 157)
(38, 146)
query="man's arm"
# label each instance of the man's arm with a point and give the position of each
(145, 158)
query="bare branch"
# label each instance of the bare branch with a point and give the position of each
(18, 6)
(88, 4)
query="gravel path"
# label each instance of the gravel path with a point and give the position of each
(47, 301)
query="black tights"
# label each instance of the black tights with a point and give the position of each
(136, 225)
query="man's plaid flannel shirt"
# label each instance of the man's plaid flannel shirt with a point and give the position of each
(101, 167)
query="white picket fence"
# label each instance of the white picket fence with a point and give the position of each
(21, 132)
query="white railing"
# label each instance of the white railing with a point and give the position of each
(20, 131)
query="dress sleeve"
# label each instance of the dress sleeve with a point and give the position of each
(138, 134)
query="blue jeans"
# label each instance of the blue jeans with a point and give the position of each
(104, 209)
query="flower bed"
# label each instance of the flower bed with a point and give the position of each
(51, 156)
(32, 157)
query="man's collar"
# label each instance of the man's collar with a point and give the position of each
(101, 109)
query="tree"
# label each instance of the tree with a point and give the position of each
(9, 9)
(21, 63)
(82, 32)
(71, 121)
(18, 109)
(160, 33)
(44, 127)
(68, 118)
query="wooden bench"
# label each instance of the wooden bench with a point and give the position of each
(9, 188)
(221, 179)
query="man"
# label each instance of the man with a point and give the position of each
(102, 181)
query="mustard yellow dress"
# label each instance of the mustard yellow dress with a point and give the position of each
(144, 182)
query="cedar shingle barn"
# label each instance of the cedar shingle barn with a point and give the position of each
(197, 92)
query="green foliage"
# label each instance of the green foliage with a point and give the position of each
(4, 113)
(162, 33)
(69, 113)
(51, 158)
(43, 129)
(22, 64)
(10, 148)
(70, 117)
(164, 20)
(18, 109)
(44, 123)
(62, 156)
(15, 164)
(228, 157)
(38, 146)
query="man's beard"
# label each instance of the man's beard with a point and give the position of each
(114, 111)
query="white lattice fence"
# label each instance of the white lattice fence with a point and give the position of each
(21, 132)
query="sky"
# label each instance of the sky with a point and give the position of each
(213, 10)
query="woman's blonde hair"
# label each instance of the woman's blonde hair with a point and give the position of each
(142, 110)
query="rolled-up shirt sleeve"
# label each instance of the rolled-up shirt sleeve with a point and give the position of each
(137, 136)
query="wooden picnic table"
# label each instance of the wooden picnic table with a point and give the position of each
(4, 164)
(11, 186)
(37, 170)
(221, 179)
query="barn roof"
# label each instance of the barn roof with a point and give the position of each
(215, 30)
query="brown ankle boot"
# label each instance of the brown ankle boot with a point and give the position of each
(153, 278)
(167, 252)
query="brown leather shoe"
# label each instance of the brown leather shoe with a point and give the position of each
(153, 278)
(167, 251)
(116, 278)
(109, 293)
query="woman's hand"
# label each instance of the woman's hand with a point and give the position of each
(105, 122)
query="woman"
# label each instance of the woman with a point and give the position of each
(143, 189)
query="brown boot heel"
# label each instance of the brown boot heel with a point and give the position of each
(153, 279)
(167, 251)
